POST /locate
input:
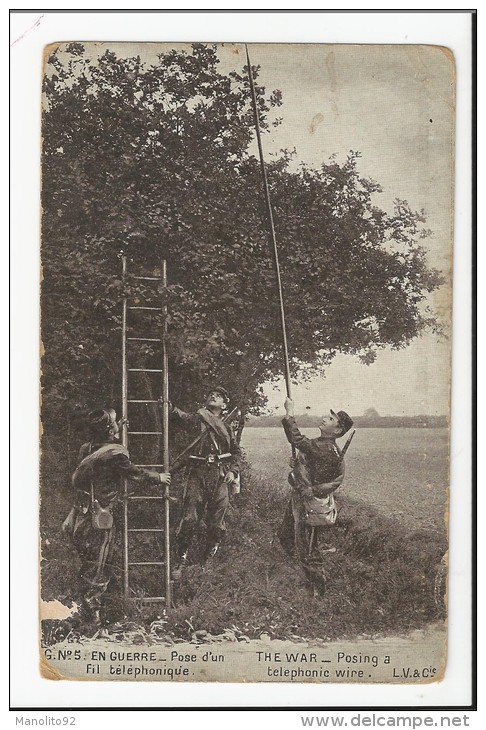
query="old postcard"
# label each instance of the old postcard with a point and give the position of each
(246, 304)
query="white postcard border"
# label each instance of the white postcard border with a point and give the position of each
(28, 689)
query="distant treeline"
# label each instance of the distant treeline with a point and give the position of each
(306, 421)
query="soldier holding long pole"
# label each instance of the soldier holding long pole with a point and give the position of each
(319, 468)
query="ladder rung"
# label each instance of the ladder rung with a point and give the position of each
(144, 433)
(146, 497)
(143, 370)
(142, 401)
(145, 529)
(148, 278)
(148, 599)
(148, 563)
(144, 339)
(148, 309)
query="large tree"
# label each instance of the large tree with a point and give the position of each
(155, 161)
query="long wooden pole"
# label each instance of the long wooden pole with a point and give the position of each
(165, 451)
(125, 428)
(272, 233)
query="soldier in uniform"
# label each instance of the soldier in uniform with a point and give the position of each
(104, 465)
(213, 467)
(318, 471)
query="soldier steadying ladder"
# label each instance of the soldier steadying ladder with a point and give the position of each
(213, 470)
(95, 519)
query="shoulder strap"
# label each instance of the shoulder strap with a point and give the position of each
(213, 439)
(216, 425)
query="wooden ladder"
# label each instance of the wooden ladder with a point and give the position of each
(128, 403)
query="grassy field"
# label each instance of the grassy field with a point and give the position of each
(380, 581)
(401, 472)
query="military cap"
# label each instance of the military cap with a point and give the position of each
(222, 391)
(101, 419)
(345, 420)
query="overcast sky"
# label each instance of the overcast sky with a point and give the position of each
(395, 105)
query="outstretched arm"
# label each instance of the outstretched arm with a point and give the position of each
(188, 421)
(135, 473)
(294, 436)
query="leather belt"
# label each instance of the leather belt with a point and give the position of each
(211, 458)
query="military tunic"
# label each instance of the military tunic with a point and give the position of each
(108, 467)
(319, 471)
(206, 491)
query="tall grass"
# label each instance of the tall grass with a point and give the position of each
(380, 580)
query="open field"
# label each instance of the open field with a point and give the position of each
(400, 472)
(380, 581)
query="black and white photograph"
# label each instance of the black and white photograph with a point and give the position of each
(246, 255)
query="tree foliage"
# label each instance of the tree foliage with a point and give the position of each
(155, 161)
